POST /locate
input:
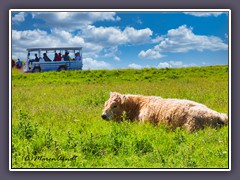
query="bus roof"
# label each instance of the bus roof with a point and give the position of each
(54, 49)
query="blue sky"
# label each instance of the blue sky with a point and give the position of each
(113, 40)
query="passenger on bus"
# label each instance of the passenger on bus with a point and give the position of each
(59, 57)
(55, 57)
(36, 58)
(46, 58)
(77, 56)
(33, 60)
(66, 56)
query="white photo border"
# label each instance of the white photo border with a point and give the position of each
(120, 10)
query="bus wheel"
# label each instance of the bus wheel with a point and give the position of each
(36, 69)
(62, 68)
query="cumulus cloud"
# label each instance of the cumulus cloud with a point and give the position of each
(157, 39)
(21, 40)
(67, 37)
(163, 65)
(173, 64)
(73, 20)
(137, 36)
(135, 66)
(113, 36)
(176, 63)
(111, 53)
(205, 14)
(116, 58)
(19, 17)
(150, 54)
(30, 38)
(89, 63)
(183, 39)
(107, 36)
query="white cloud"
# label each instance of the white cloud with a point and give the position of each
(73, 20)
(113, 36)
(19, 17)
(117, 18)
(111, 53)
(116, 58)
(157, 39)
(174, 64)
(106, 36)
(150, 54)
(80, 16)
(135, 66)
(163, 65)
(190, 65)
(183, 39)
(67, 37)
(137, 36)
(30, 38)
(89, 63)
(205, 14)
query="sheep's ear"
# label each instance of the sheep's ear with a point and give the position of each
(123, 99)
(110, 93)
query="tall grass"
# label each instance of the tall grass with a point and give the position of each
(56, 120)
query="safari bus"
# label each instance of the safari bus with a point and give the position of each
(53, 59)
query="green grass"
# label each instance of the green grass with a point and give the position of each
(56, 120)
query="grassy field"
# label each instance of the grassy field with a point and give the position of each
(56, 120)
